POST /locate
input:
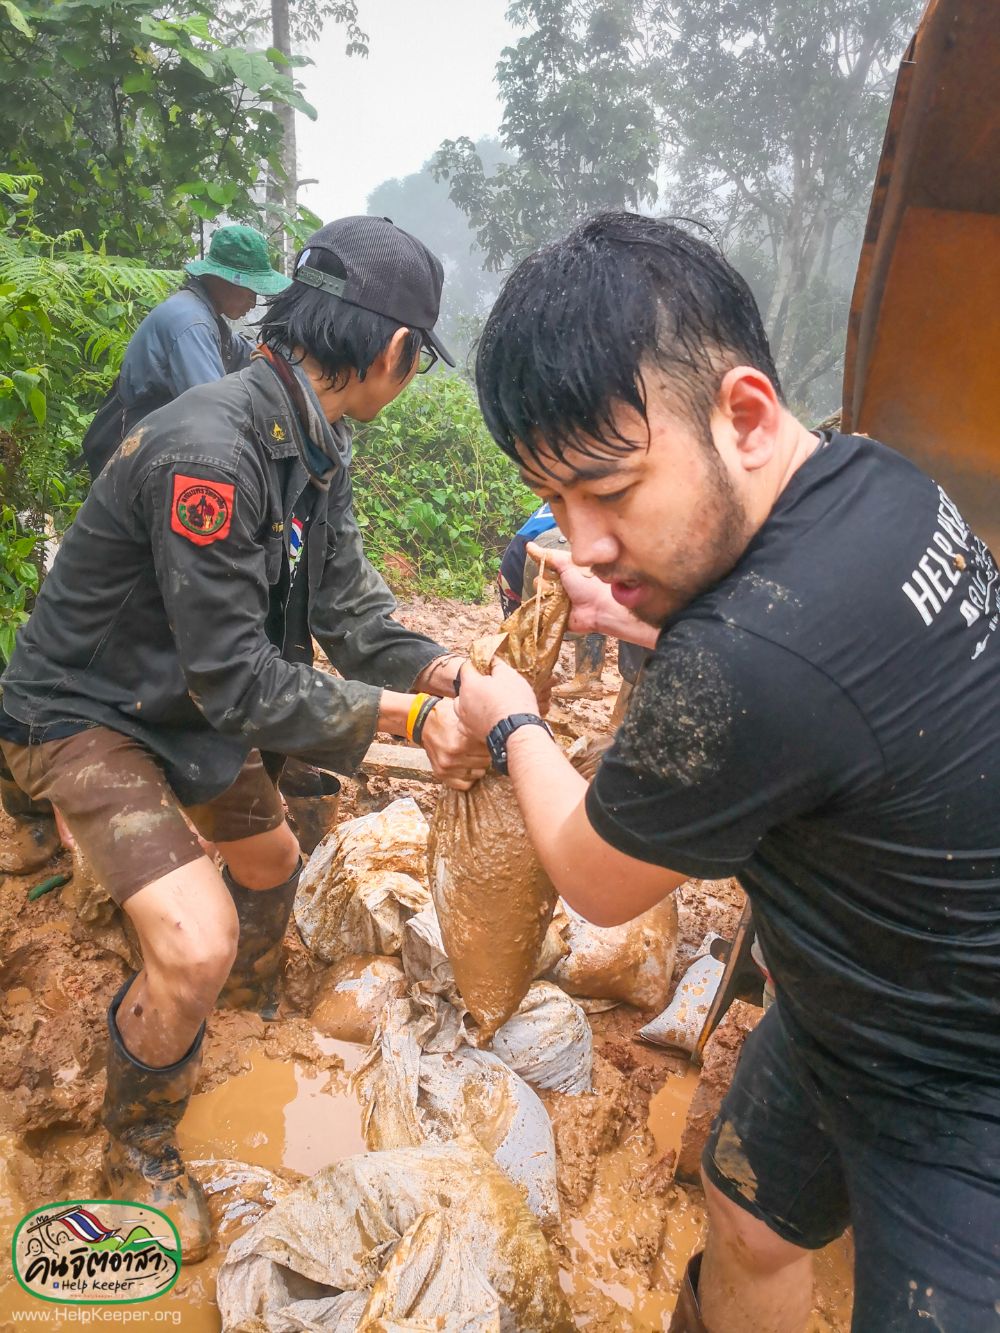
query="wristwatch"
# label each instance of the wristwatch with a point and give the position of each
(504, 729)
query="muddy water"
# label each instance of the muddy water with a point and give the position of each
(668, 1110)
(276, 1115)
(624, 1251)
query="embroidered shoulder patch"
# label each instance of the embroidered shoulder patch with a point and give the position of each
(202, 510)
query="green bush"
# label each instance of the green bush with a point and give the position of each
(67, 312)
(432, 492)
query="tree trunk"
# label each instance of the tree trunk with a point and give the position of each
(282, 187)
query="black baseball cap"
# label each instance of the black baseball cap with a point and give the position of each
(372, 263)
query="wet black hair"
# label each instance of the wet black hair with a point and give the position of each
(579, 326)
(339, 336)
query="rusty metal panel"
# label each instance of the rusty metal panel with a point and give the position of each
(923, 350)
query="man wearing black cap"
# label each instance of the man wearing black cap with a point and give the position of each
(167, 667)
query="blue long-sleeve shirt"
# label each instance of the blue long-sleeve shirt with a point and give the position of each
(179, 344)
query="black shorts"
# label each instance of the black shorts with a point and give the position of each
(926, 1233)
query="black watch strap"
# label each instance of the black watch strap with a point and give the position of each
(504, 729)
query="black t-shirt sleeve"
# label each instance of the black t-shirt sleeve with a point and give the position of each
(728, 735)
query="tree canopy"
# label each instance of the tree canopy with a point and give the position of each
(761, 119)
(143, 122)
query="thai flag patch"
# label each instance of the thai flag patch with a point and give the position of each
(295, 542)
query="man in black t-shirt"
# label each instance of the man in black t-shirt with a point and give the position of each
(819, 718)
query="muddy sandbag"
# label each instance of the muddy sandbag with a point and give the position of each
(363, 883)
(683, 1020)
(336, 1233)
(239, 1194)
(629, 964)
(432, 1282)
(353, 994)
(428, 966)
(493, 898)
(548, 1042)
(412, 1092)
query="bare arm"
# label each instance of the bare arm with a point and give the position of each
(604, 885)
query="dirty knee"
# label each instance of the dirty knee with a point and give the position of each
(265, 861)
(749, 1242)
(194, 986)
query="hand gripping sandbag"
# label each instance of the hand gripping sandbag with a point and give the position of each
(318, 1250)
(494, 901)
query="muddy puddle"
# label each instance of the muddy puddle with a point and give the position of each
(280, 1114)
(623, 1252)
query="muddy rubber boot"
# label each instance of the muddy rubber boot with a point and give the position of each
(586, 682)
(34, 839)
(313, 801)
(621, 704)
(687, 1313)
(263, 914)
(142, 1108)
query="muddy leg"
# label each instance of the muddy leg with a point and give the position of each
(586, 682)
(187, 932)
(751, 1280)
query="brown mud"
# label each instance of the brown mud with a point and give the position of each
(273, 1102)
(493, 898)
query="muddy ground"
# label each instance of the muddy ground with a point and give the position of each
(275, 1096)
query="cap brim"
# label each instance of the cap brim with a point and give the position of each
(268, 283)
(433, 341)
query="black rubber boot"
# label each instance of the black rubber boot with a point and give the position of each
(313, 801)
(263, 914)
(35, 840)
(589, 663)
(687, 1313)
(142, 1108)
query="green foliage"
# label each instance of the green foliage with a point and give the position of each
(761, 119)
(578, 122)
(66, 315)
(18, 577)
(149, 123)
(433, 494)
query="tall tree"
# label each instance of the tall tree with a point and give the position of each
(293, 24)
(759, 118)
(772, 114)
(578, 123)
(142, 124)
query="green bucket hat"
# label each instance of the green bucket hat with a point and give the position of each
(239, 254)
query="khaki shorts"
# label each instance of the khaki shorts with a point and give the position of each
(123, 813)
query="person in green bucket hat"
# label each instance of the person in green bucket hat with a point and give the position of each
(238, 256)
(186, 340)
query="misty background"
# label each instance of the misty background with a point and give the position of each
(488, 128)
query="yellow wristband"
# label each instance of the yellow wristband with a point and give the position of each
(418, 702)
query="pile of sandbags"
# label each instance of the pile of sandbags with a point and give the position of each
(446, 960)
(363, 883)
(434, 1237)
